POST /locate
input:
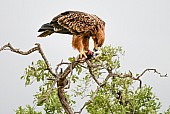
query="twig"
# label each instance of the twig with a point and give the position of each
(56, 80)
(50, 91)
(110, 74)
(137, 78)
(39, 49)
(91, 72)
(58, 65)
(11, 48)
(154, 70)
(45, 59)
(106, 79)
(61, 78)
(88, 102)
(83, 66)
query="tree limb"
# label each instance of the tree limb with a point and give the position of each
(61, 83)
(154, 70)
(36, 48)
(110, 74)
(89, 64)
(61, 78)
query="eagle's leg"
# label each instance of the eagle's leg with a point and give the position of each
(77, 43)
(83, 54)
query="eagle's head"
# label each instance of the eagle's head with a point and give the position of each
(99, 38)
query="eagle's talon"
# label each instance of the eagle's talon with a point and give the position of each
(81, 34)
(89, 54)
(83, 55)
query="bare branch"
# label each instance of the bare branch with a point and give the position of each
(90, 67)
(91, 72)
(60, 64)
(45, 59)
(137, 78)
(154, 70)
(61, 78)
(106, 79)
(36, 48)
(11, 48)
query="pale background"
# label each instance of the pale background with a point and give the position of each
(141, 27)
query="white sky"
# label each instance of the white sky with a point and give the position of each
(141, 27)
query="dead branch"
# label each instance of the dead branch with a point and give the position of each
(36, 48)
(45, 59)
(154, 70)
(61, 78)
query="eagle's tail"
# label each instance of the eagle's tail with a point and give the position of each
(47, 29)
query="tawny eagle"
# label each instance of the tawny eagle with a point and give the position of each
(79, 24)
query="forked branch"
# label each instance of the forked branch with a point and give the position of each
(110, 74)
(61, 78)
(36, 48)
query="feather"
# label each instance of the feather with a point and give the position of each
(48, 29)
(46, 26)
(79, 24)
(46, 33)
(76, 22)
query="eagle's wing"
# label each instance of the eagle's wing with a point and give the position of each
(75, 21)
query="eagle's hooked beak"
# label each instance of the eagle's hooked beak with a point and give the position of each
(95, 49)
(95, 46)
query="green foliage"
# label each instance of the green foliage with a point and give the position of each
(118, 96)
(168, 111)
(71, 59)
(109, 57)
(52, 105)
(36, 72)
(27, 110)
(50, 102)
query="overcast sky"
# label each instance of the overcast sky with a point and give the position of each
(141, 27)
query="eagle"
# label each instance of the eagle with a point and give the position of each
(81, 26)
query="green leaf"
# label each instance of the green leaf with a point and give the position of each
(71, 59)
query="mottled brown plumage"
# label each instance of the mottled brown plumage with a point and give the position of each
(79, 24)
